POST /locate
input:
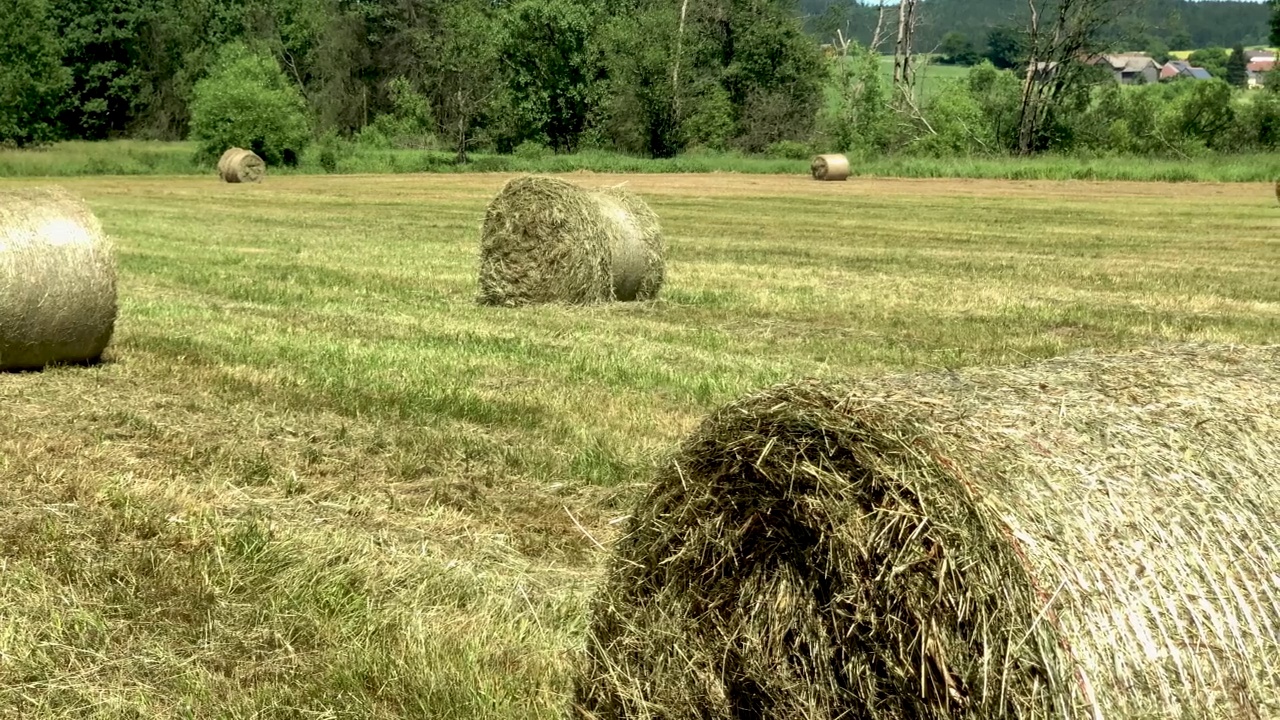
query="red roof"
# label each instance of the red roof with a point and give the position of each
(1262, 66)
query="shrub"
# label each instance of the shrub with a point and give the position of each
(246, 101)
(789, 150)
(956, 125)
(409, 125)
(532, 150)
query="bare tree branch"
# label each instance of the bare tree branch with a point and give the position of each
(1056, 58)
(675, 69)
(877, 39)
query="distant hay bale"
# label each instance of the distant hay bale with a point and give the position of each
(1090, 537)
(545, 240)
(830, 167)
(57, 281)
(238, 165)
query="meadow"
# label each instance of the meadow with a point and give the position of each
(313, 479)
(149, 158)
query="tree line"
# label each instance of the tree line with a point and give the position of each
(650, 77)
(1175, 24)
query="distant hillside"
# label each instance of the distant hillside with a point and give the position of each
(1177, 23)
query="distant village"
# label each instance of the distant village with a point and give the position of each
(1140, 68)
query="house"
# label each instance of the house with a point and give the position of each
(1183, 69)
(1258, 71)
(1130, 68)
(1252, 56)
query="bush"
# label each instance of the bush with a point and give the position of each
(957, 125)
(859, 122)
(328, 160)
(409, 125)
(532, 150)
(789, 150)
(246, 101)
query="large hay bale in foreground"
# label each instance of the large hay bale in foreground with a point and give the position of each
(546, 240)
(830, 167)
(57, 281)
(238, 165)
(1090, 537)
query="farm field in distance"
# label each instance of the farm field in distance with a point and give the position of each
(315, 480)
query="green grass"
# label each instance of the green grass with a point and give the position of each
(129, 157)
(316, 480)
(930, 78)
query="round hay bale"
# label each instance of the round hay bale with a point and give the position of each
(546, 240)
(830, 167)
(639, 250)
(57, 281)
(1090, 537)
(238, 165)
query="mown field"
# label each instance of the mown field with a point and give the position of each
(315, 480)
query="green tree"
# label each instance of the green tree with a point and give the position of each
(461, 65)
(773, 72)
(100, 41)
(247, 101)
(1157, 49)
(1006, 47)
(957, 49)
(859, 121)
(955, 126)
(179, 41)
(1237, 68)
(1202, 113)
(1275, 23)
(654, 85)
(32, 78)
(552, 68)
(998, 94)
(1213, 59)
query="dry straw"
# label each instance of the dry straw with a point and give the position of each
(1090, 537)
(57, 281)
(238, 165)
(830, 167)
(546, 240)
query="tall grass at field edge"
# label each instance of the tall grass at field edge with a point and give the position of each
(133, 157)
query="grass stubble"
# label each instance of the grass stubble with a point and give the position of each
(313, 479)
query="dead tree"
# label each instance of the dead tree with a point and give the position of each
(1058, 52)
(877, 39)
(903, 68)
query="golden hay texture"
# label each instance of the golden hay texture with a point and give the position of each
(830, 167)
(57, 281)
(1090, 537)
(238, 165)
(546, 240)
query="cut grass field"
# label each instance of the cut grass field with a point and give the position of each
(315, 480)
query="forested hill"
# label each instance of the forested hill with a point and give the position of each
(1179, 24)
